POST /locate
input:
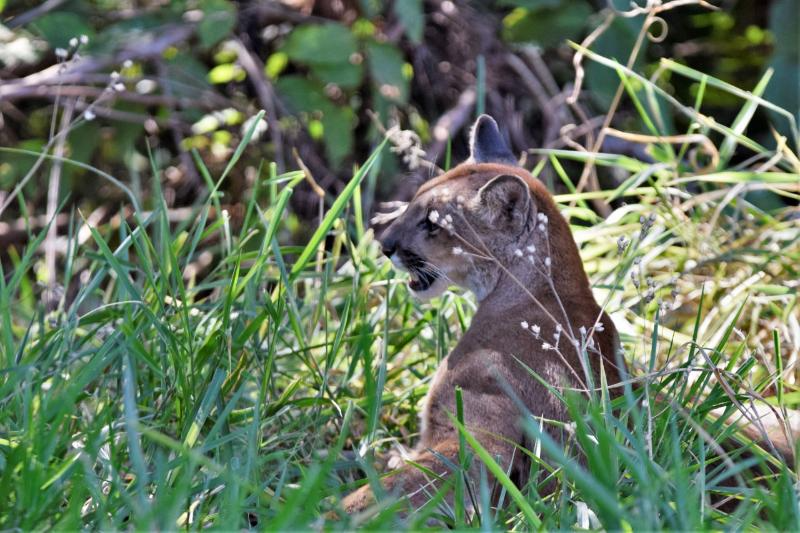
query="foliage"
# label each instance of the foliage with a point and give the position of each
(329, 70)
(206, 367)
(159, 398)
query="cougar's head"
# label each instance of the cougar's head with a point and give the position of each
(460, 227)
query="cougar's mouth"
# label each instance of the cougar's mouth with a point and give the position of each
(421, 276)
(420, 281)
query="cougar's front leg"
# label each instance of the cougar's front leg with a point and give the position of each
(416, 485)
(410, 482)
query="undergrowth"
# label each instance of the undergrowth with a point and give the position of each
(160, 393)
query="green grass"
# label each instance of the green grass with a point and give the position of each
(261, 389)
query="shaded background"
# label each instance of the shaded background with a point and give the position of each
(330, 75)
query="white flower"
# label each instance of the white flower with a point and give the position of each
(434, 216)
(599, 327)
(448, 219)
(457, 250)
(61, 53)
(518, 252)
(547, 261)
(524, 324)
(114, 76)
(119, 87)
(73, 42)
(127, 63)
(558, 328)
(536, 329)
(547, 346)
(530, 248)
(542, 218)
(84, 39)
(583, 331)
(89, 115)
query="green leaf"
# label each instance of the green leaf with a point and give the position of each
(388, 70)
(320, 43)
(547, 25)
(276, 63)
(410, 13)
(219, 19)
(226, 73)
(345, 75)
(337, 123)
(61, 26)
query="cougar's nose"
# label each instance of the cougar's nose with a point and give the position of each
(388, 248)
(388, 245)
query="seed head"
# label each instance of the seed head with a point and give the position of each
(622, 244)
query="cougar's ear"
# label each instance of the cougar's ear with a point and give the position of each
(505, 201)
(487, 145)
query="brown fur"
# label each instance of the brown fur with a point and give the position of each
(503, 216)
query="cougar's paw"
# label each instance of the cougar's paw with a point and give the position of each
(358, 500)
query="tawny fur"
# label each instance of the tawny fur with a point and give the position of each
(503, 216)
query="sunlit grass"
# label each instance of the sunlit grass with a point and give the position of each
(252, 393)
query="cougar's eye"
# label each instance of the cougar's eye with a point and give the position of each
(428, 224)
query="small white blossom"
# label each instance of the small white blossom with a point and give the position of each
(583, 331)
(535, 329)
(448, 219)
(457, 250)
(114, 76)
(61, 53)
(599, 327)
(622, 244)
(518, 252)
(524, 324)
(119, 87)
(542, 218)
(127, 63)
(89, 115)
(547, 261)
(73, 42)
(559, 328)
(547, 346)
(433, 216)
(84, 39)
(530, 248)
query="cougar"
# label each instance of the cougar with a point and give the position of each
(490, 227)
